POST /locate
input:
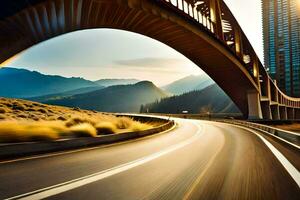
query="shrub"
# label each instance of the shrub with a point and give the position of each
(83, 130)
(137, 126)
(123, 122)
(61, 118)
(76, 109)
(22, 116)
(28, 105)
(74, 121)
(18, 106)
(30, 109)
(13, 131)
(8, 105)
(105, 128)
(3, 110)
(42, 110)
(35, 118)
(77, 120)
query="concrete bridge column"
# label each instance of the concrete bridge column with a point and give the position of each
(297, 113)
(290, 113)
(266, 110)
(283, 112)
(265, 86)
(274, 93)
(254, 106)
(275, 112)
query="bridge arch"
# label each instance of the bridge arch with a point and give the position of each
(215, 44)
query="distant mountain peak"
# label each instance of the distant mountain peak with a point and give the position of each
(145, 83)
(188, 83)
(23, 83)
(116, 98)
(112, 82)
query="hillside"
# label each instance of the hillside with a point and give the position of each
(211, 99)
(120, 98)
(22, 83)
(112, 82)
(23, 121)
(188, 84)
(65, 94)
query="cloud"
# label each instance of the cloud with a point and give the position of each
(151, 62)
(159, 65)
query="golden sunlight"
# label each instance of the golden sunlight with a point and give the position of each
(298, 6)
(8, 61)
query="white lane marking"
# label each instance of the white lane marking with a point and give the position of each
(282, 159)
(69, 185)
(279, 138)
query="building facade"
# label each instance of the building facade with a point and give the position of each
(281, 28)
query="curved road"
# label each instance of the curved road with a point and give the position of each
(196, 160)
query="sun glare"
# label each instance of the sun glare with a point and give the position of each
(10, 60)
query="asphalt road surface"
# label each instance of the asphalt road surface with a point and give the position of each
(196, 160)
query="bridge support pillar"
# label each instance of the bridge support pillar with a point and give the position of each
(254, 107)
(297, 113)
(275, 112)
(265, 86)
(266, 110)
(282, 112)
(290, 113)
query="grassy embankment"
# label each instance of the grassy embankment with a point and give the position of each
(22, 121)
(294, 127)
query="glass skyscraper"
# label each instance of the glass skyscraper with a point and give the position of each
(281, 28)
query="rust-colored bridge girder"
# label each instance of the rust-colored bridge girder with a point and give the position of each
(205, 31)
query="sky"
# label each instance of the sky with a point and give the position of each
(104, 53)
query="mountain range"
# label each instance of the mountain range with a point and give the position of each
(22, 83)
(57, 96)
(211, 99)
(119, 98)
(189, 83)
(112, 82)
(191, 93)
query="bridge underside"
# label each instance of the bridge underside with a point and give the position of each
(50, 18)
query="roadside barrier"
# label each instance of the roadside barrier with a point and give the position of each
(288, 136)
(17, 150)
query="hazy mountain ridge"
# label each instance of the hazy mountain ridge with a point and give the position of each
(189, 83)
(211, 99)
(112, 82)
(65, 94)
(22, 83)
(120, 98)
(198, 92)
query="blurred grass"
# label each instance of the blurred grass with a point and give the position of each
(23, 121)
(295, 127)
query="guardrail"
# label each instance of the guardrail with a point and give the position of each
(290, 137)
(16, 150)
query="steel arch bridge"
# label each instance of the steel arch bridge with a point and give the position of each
(205, 31)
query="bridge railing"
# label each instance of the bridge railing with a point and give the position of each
(200, 12)
(288, 136)
(192, 11)
(228, 32)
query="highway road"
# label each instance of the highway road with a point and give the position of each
(196, 160)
